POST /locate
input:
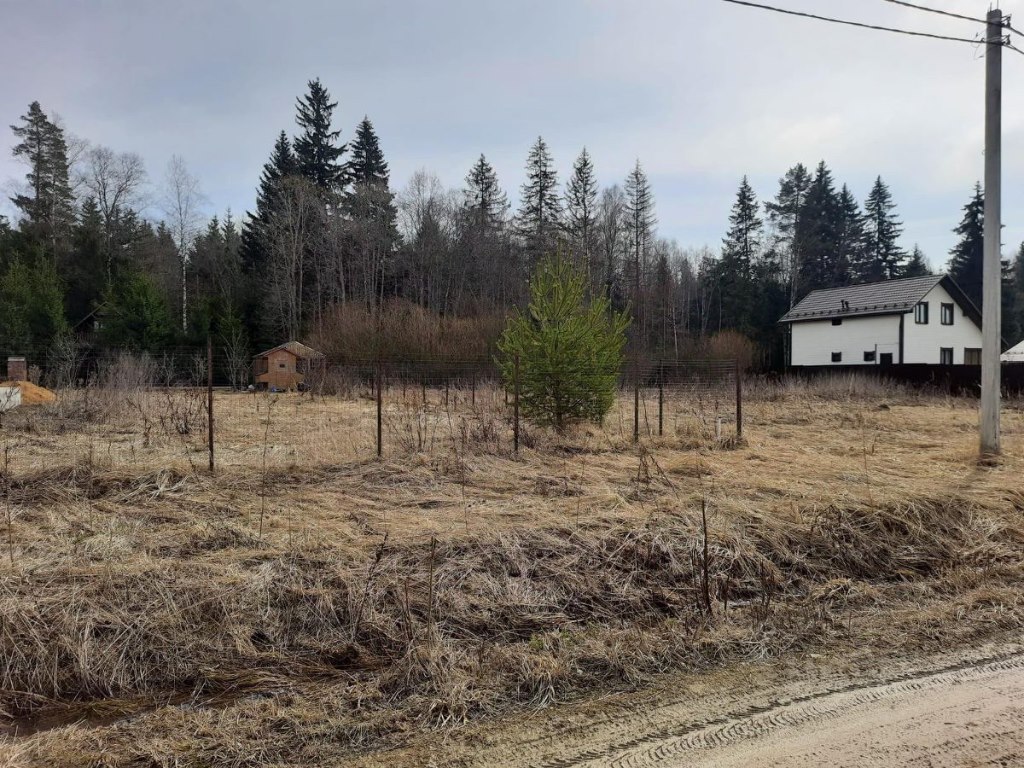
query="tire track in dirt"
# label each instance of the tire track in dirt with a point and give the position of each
(693, 742)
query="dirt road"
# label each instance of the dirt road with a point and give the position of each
(966, 717)
(951, 710)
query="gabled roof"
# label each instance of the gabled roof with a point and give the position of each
(298, 349)
(887, 297)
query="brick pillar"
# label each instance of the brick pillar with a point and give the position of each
(17, 369)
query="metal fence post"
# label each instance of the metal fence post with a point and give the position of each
(636, 403)
(739, 400)
(380, 398)
(661, 402)
(209, 397)
(515, 407)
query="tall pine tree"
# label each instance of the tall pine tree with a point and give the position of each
(48, 205)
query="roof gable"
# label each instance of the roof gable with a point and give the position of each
(296, 348)
(888, 297)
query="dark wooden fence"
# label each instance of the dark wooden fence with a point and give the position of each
(951, 379)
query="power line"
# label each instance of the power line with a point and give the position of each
(938, 11)
(852, 23)
(1015, 31)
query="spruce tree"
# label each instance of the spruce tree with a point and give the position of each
(31, 305)
(967, 256)
(367, 163)
(487, 258)
(540, 210)
(282, 164)
(85, 274)
(784, 214)
(818, 232)
(850, 239)
(883, 258)
(316, 150)
(370, 204)
(49, 205)
(740, 250)
(917, 264)
(485, 202)
(639, 227)
(581, 209)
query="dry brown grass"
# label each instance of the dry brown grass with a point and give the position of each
(329, 601)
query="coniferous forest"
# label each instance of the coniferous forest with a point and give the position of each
(105, 254)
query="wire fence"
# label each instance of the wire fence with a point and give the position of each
(137, 411)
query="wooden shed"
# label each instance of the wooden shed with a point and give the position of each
(284, 367)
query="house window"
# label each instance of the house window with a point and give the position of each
(972, 356)
(837, 357)
(281, 365)
(947, 314)
(946, 356)
(837, 321)
(921, 313)
(869, 357)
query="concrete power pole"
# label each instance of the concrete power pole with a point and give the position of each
(992, 270)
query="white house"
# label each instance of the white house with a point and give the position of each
(914, 320)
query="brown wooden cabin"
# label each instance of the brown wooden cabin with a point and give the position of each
(284, 367)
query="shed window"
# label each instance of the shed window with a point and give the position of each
(972, 356)
(947, 314)
(281, 365)
(869, 357)
(837, 357)
(921, 313)
(837, 321)
(946, 356)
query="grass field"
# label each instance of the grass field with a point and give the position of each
(309, 602)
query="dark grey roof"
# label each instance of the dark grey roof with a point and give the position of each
(888, 297)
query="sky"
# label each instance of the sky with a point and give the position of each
(702, 92)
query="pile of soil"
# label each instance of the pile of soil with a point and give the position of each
(31, 394)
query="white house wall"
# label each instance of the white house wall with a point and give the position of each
(813, 342)
(921, 343)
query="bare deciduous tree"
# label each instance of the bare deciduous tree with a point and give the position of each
(295, 222)
(182, 201)
(116, 181)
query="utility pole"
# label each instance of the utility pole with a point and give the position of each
(992, 270)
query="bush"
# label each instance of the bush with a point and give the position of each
(569, 349)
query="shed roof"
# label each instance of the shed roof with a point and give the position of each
(296, 348)
(1014, 354)
(887, 297)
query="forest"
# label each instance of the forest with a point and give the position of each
(101, 256)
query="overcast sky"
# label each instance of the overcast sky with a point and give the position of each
(701, 91)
